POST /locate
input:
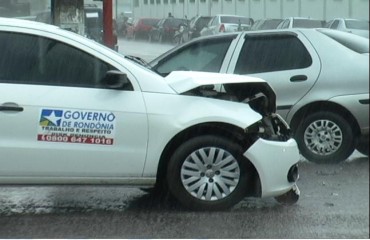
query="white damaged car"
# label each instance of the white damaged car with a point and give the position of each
(75, 112)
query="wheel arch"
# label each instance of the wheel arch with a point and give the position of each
(325, 106)
(212, 128)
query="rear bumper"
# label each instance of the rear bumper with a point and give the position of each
(275, 162)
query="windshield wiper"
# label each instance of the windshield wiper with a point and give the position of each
(138, 60)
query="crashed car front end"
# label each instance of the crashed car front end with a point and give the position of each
(269, 145)
(274, 153)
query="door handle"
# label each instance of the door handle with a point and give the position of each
(298, 78)
(11, 108)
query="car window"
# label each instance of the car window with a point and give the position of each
(307, 23)
(272, 53)
(29, 59)
(270, 24)
(355, 24)
(285, 24)
(203, 21)
(335, 24)
(201, 56)
(214, 21)
(235, 20)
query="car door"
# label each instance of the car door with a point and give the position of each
(284, 59)
(58, 120)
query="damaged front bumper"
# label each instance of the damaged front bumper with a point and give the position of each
(275, 155)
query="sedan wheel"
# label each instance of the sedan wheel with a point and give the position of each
(325, 137)
(207, 173)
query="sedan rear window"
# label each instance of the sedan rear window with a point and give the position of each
(231, 19)
(355, 24)
(351, 41)
(307, 23)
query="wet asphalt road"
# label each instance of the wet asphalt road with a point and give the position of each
(334, 203)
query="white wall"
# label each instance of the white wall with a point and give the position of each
(360, 9)
(313, 9)
(273, 9)
(257, 9)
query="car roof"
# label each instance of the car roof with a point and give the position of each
(231, 15)
(352, 19)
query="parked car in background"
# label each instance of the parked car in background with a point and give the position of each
(265, 24)
(226, 23)
(165, 30)
(355, 26)
(197, 24)
(141, 28)
(321, 79)
(124, 124)
(301, 22)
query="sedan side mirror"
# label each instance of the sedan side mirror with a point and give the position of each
(114, 79)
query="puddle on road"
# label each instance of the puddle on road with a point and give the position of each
(62, 199)
(68, 199)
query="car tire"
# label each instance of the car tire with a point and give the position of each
(325, 137)
(201, 185)
(363, 146)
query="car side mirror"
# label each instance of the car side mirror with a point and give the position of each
(114, 79)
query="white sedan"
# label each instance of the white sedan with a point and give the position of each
(75, 112)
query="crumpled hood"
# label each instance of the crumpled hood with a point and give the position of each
(183, 81)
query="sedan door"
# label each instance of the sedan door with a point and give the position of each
(286, 60)
(56, 118)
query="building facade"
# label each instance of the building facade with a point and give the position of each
(256, 9)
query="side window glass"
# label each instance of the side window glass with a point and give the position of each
(34, 60)
(286, 24)
(214, 22)
(328, 24)
(19, 55)
(200, 56)
(272, 53)
(335, 24)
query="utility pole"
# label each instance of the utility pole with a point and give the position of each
(108, 38)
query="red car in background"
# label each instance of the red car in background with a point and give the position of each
(141, 28)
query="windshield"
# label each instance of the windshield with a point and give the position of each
(307, 23)
(236, 20)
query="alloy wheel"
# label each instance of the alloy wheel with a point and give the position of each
(210, 173)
